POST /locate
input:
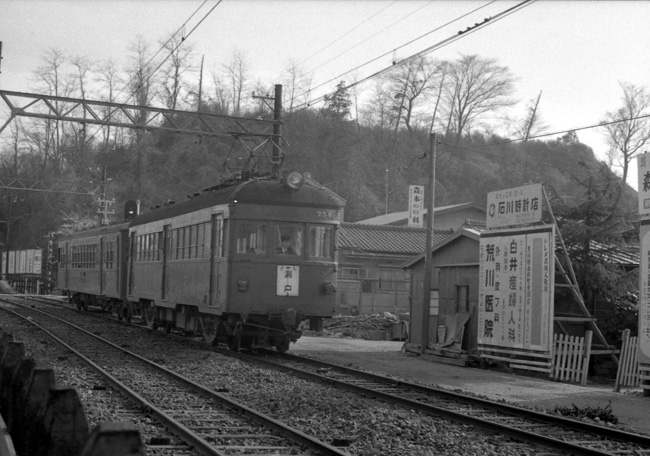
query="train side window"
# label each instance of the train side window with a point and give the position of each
(288, 239)
(251, 238)
(321, 242)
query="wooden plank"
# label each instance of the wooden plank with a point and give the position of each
(514, 351)
(517, 360)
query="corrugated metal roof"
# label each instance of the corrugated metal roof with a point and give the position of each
(386, 239)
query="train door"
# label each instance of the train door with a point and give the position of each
(163, 247)
(216, 259)
(102, 270)
(131, 260)
(66, 266)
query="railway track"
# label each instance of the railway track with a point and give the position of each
(201, 420)
(558, 434)
(551, 431)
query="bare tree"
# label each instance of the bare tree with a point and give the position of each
(108, 77)
(628, 132)
(179, 62)
(53, 80)
(296, 86)
(410, 86)
(237, 72)
(377, 110)
(141, 85)
(222, 101)
(477, 87)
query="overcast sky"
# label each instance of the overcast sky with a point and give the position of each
(574, 52)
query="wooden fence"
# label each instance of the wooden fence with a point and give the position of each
(571, 357)
(628, 366)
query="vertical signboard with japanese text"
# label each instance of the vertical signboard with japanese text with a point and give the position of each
(516, 285)
(643, 353)
(287, 280)
(416, 205)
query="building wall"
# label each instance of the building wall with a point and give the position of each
(454, 265)
(368, 285)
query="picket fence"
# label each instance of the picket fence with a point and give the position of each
(571, 357)
(628, 366)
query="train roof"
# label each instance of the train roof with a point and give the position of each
(122, 226)
(260, 191)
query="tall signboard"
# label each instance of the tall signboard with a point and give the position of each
(516, 289)
(416, 206)
(643, 352)
(517, 279)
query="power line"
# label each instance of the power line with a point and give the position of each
(555, 133)
(370, 37)
(426, 51)
(183, 38)
(346, 34)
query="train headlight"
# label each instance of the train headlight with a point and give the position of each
(328, 287)
(293, 180)
(242, 284)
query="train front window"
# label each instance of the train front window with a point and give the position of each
(251, 238)
(321, 242)
(288, 239)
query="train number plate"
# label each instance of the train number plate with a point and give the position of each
(288, 278)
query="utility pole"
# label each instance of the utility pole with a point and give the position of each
(386, 191)
(276, 159)
(276, 137)
(103, 202)
(428, 266)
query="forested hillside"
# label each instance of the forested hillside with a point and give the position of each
(368, 148)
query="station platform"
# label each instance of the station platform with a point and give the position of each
(628, 405)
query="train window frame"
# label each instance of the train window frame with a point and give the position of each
(296, 233)
(83, 256)
(109, 255)
(251, 242)
(148, 247)
(188, 242)
(312, 244)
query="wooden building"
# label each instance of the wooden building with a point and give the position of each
(454, 291)
(371, 253)
(370, 277)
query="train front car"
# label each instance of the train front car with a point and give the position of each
(283, 259)
(242, 264)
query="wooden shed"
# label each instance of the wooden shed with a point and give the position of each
(454, 291)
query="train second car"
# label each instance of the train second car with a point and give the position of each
(92, 268)
(241, 264)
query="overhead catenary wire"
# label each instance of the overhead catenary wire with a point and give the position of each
(347, 33)
(182, 40)
(372, 36)
(428, 50)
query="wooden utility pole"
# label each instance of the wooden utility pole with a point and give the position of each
(428, 266)
(277, 123)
